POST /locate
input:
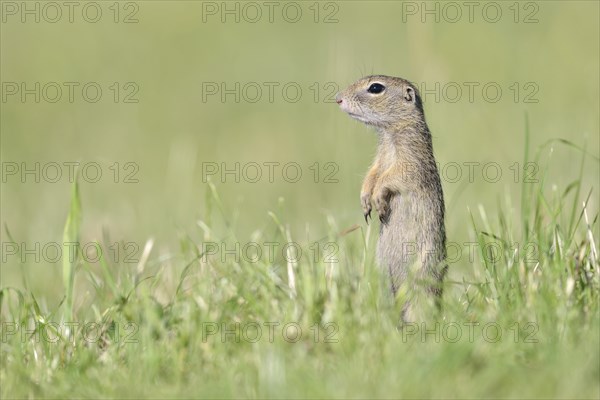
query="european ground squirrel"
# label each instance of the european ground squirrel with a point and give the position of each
(403, 185)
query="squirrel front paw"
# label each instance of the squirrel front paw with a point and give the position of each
(365, 202)
(381, 199)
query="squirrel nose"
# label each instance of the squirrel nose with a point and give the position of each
(338, 98)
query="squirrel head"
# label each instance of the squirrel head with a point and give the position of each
(382, 101)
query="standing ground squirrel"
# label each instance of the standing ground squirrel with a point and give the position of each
(403, 184)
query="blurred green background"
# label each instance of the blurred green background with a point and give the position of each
(177, 48)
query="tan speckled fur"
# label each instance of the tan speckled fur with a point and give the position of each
(403, 185)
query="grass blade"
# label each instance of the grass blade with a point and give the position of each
(70, 237)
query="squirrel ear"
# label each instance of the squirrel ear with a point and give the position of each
(409, 94)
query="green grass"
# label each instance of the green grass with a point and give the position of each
(153, 282)
(156, 320)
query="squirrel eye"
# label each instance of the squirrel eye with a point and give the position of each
(376, 88)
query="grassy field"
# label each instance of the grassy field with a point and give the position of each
(180, 213)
